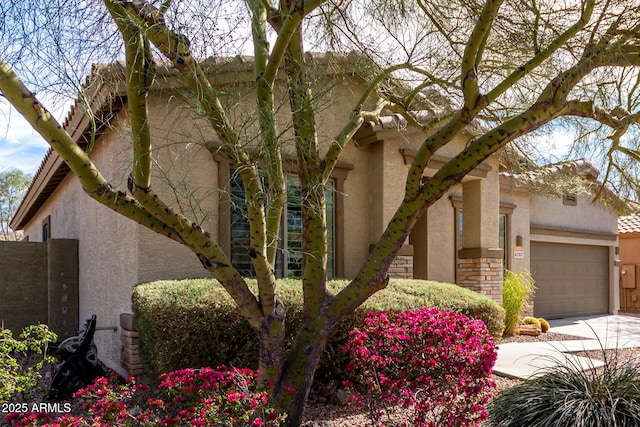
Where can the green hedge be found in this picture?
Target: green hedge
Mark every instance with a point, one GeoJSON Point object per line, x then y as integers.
{"type": "Point", "coordinates": [194, 323]}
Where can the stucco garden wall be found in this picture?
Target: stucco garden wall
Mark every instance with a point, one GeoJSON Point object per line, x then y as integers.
{"type": "Point", "coordinates": [39, 284]}
{"type": "Point", "coordinates": [630, 248]}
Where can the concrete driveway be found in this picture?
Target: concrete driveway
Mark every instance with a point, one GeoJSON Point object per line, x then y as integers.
{"type": "Point", "coordinates": [527, 360]}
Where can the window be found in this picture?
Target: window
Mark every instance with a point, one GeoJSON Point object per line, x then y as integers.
{"type": "Point", "coordinates": [570, 199]}
{"type": "Point", "coordinates": [289, 255]}
{"type": "Point", "coordinates": [502, 238]}
{"type": "Point", "coordinates": [506, 209]}
{"type": "Point", "coordinates": [46, 228]}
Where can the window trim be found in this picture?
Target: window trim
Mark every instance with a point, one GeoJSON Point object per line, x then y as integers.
{"type": "Point", "coordinates": [339, 175]}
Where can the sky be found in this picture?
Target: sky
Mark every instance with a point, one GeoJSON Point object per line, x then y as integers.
{"type": "Point", "coordinates": [20, 146]}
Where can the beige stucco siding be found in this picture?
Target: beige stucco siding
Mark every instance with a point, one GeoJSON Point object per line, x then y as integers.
{"type": "Point", "coordinates": [441, 239]}
{"type": "Point", "coordinates": [551, 211]}
{"type": "Point", "coordinates": [62, 207]}
{"type": "Point", "coordinates": [185, 176]}
{"type": "Point", "coordinates": [517, 204]}
{"type": "Point", "coordinates": [387, 175]}
{"type": "Point", "coordinates": [356, 216]}
{"type": "Point", "coordinates": [107, 248]}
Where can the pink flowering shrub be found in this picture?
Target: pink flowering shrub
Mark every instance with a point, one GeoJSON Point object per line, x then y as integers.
{"type": "Point", "coordinates": [435, 364]}
{"type": "Point", "coordinates": [187, 397]}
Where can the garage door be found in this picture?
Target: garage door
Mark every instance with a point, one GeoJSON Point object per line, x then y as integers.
{"type": "Point", "coordinates": [571, 280]}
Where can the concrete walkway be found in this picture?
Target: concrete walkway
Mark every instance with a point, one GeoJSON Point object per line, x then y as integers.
{"type": "Point", "coordinates": [527, 360]}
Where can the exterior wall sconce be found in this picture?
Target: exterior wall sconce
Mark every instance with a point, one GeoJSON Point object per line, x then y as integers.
{"type": "Point", "coordinates": [518, 243]}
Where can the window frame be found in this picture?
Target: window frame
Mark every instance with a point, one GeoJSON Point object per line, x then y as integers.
{"type": "Point", "coordinates": [338, 176]}
{"type": "Point", "coordinates": [46, 228]}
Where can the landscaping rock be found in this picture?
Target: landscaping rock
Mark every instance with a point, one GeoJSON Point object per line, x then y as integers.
{"type": "Point", "coordinates": [532, 330]}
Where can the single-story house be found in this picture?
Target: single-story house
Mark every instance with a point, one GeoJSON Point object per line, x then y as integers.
{"type": "Point", "coordinates": [487, 222]}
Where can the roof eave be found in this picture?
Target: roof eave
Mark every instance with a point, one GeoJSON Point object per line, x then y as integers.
{"type": "Point", "coordinates": [105, 99]}
{"type": "Point", "coordinates": [105, 90]}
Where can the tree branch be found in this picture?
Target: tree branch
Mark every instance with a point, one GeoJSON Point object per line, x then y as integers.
{"type": "Point", "coordinates": [176, 48]}
{"type": "Point", "coordinates": [264, 264]}
{"type": "Point", "coordinates": [339, 141]}
{"type": "Point", "coordinates": [139, 76]}
{"type": "Point", "coordinates": [473, 52]}
{"type": "Point", "coordinates": [99, 189]}
{"type": "Point", "coordinates": [314, 257]}
{"type": "Point", "coordinates": [543, 55]}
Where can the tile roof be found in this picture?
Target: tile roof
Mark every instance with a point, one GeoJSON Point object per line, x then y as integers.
{"type": "Point", "coordinates": [628, 224]}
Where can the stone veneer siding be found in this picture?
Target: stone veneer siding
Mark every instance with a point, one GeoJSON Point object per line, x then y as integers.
{"type": "Point", "coordinates": [129, 336]}
{"type": "Point", "coordinates": [482, 275]}
{"type": "Point", "coordinates": [402, 267]}
{"type": "Point", "coordinates": [527, 310]}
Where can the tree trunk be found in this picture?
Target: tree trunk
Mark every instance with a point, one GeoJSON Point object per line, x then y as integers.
{"type": "Point", "coordinates": [271, 339]}
{"type": "Point", "coordinates": [299, 369]}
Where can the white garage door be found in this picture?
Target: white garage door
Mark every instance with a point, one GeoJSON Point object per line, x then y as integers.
{"type": "Point", "coordinates": [571, 280]}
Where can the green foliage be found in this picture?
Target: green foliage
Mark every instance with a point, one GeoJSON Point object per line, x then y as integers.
{"type": "Point", "coordinates": [516, 290]}
{"type": "Point", "coordinates": [544, 325]}
{"type": "Point", "coordinates": [13, 185]}
{"type": "Point", "coordinates": [15, 378]}
{"type": "Point", "coordinates": [531, 321]}
{"type": "Point", "coordinates": [194, 323]}
{"type": "Point", "coordinates": [569, 395]}
{"type": "Point", "coordinates": [435, 364]}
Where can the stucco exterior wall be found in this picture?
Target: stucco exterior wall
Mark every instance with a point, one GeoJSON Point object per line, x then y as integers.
{"type": "Point", "coordinates": [184, 176]}
{"type": "Point", "coordinates": [357, 214]}
{"type": "Point", "coordinates": [64, 223]}
{"type": "Point", "coordinates": [517, 205]}
{"type": "Point", "coordinates": [630, 248]}
{"type": "Point", "coordinates": [107, 248]}
{"type": "Point", "coordinates": [551, 211]}
{"type": "Point", "coordinates": [441, 239]}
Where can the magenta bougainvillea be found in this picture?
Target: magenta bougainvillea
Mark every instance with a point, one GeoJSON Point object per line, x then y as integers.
{"type": "Point", "coordinates": [435, 364]}
{"type": "Point", "coordinates": [201, 397]}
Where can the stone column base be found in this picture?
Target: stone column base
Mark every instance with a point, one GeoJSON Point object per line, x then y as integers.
{"type": "Point", "coordinates": [483, 273]}
{"type": "Point", "coordinates": [402, 267]}
{"type": "Point", "coordinates": [129, 357]}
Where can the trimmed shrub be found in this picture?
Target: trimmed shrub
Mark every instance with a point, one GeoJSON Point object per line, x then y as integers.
{"type": "Point", "coordinates": [437, 363]}
{"type": "Point", "coordinates": [194, 323]}
{"type": "Point", "coordinates": [516, 290]}
{"type": "Point", "coordinates": [569, 395]}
